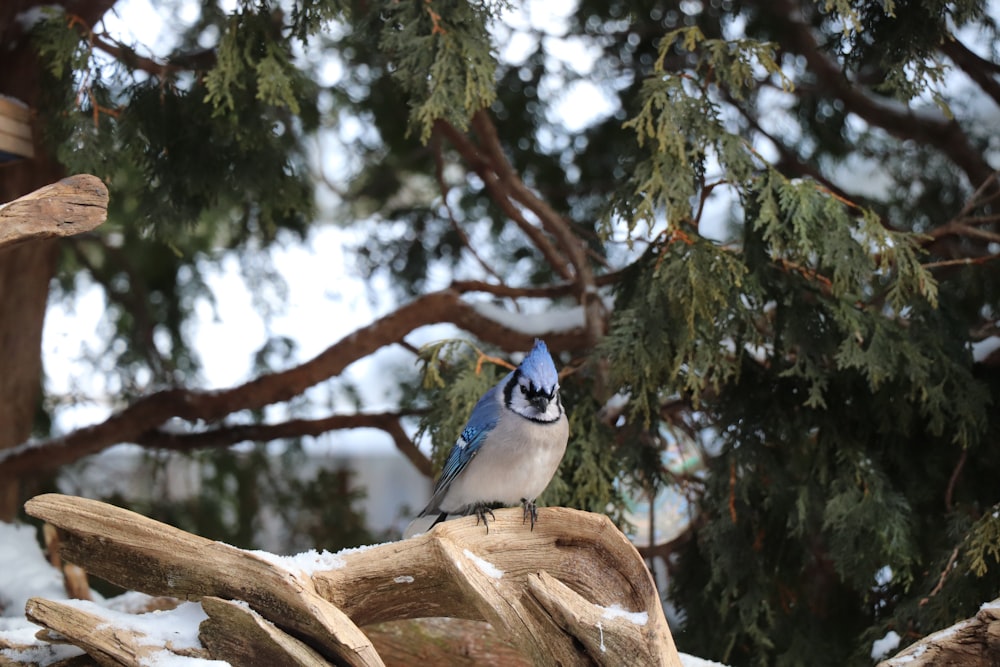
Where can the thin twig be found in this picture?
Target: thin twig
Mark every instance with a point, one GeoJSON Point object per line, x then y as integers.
{"type": "Point", "coordinates": [944, 575]}
{"type": "Point", "coordinates": [443, 185]}
{"type": "Point", "coordinates": [950, 492]}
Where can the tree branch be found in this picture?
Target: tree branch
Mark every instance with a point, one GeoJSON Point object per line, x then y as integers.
{"type": "Point", "coordinates": [946, 135]}
{"type": "Point", "coordinates": [224, 436]}
{"type": "Point", "coordinates": [982, 71]}
{"type": "Point", "coordinates": [471, 154]}
{"type": "Point", "coordinates": [150, 412]}
{"type": "Point", "coordinates": [554, 224]}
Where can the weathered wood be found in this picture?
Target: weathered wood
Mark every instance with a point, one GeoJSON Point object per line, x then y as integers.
{"type": "Point", "coordinates": [240, 636]}
{"type": "Point", "coordinates": [451, 572]}
{"type": "Point", "coordinates": [455, 642]}
{"type": "Point", "coordinates": [572, 591]}
{"type": "Point", "coordinates": [138, 553]}
{"type": "Point", "coordinates": [72, 206]}
{"type": "Point", "coordinates": [974, 642]}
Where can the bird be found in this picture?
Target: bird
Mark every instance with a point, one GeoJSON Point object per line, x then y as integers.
{"type": "Point", "coordinates": [509, 449]}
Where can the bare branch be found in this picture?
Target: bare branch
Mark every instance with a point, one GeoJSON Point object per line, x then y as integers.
{"type": "Point", "coordinates": [224, 436]}
{"type": "Point", "coordinates": [554, 224]}
{"type": "Point", "coordinates": [471, 154]}
{"type": "Point", "coordinates": [443, 186]}
{"type": "Point", "coordinates": [150, 412]}
{"type": "Point", "coordinates": [980, 70]}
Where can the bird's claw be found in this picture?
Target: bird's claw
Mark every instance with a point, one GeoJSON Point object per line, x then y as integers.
{"type": "Point", "coordinates": [481, 511]}
{"type": "Point", "coordinates": [529, 510]}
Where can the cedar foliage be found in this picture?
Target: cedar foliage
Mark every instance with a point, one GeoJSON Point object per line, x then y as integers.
{"type": "Point", "coordinates": [823, 343]}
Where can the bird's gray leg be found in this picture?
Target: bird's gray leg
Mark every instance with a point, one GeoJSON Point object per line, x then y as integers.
{"type": "Point", "coordinates": [529, 510]}
{"type": "Point", "coordinates": [481, 510]}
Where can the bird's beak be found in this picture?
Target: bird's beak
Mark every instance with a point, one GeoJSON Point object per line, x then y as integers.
{"type": "Point", "coordinates": [540, 403]}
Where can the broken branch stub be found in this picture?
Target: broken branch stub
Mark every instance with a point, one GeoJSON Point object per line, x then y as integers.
{"type": "Point", "coordinates": [572, 591]}
{"type": "Point", "coordinates": [72, 206]}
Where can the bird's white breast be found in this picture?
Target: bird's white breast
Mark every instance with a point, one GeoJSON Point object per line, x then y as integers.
{"type": "Point", "coordinates": [517, 460]}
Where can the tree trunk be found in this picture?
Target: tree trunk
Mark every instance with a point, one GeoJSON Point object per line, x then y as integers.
{"type": "Point", "coordinates": [26, 269]}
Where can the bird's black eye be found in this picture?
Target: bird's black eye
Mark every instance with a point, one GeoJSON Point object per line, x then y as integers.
{"type": "Point", "coordinates": [524, 390]}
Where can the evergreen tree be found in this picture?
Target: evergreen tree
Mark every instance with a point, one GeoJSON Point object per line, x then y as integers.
{"type": "Point", "coordinates": [779, 239]}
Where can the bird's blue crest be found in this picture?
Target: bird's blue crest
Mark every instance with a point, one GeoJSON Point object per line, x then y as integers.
{"type": "Point", "coordinates": [539, 367]}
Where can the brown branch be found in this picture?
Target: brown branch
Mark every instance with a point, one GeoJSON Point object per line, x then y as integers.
{"type": "Point", "coordinates": [224, 436]}
{"type": "Point", "coordinates": [575, 249]}
{"type": "Point", "coordinates": [443, 186]}
{"type": "Point", "coordinates": [148, 413]}
{"type": "Point", "coordinates": [543, 292]}
{"type": "Point", "coordinates": [537, 292]}
{"type": "Point", "coordinates": [949, 494]}
{"type": "Point", "coordinates": [472, 155]}
{"type": "Point", "coordinates": [961, 261]}
{"type": "Point", "coordinates": [960, 225]}
{"type": "Point", "coordinates": [72, 206]}
{"type": "Point", "coordinates": [944, 575]}
{"type": "Point", "coordinates": [128, 56]}
{"type": "Point", "coordinates": [982, 71]}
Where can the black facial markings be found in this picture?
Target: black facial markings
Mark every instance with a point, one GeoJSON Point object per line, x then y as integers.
{"type": "Point", "coordinates": [508, 391]}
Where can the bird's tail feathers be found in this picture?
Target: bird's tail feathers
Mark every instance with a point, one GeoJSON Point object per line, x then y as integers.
{"type": "Point", "coordinates": [422, 524]}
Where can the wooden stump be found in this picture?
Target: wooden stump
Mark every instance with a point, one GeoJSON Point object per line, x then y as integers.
{"type": "Point", "coordinates": [573, 591]}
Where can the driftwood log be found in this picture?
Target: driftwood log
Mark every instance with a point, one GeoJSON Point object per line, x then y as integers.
{"type": "Point", "coordinates": [72, 206]}
{"type": "Point", "coordinates": [573, 591]}
{"type": "Point", "coordinates": [974, 642]}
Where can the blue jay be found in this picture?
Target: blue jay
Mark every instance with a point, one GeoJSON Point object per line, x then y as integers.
{"type": "Point", "coordinates": [509, 449]}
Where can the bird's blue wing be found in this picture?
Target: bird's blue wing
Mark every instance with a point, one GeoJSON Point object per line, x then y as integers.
{"type": "Point", "coordinates": [483, 419]}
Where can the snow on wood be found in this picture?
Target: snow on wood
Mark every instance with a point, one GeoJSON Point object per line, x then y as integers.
{"type": "Point", "coordinates": [572, 591]}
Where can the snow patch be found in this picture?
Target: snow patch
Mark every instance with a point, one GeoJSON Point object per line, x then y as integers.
{"type": "Point", "coordinates": [694, 661]}
{"type": "Point", "coordinates": [982, 349]}
{"type": "Point", "coordinates": [24, 571]}
{"type": "Point", "coordinates": [634, 617]}
{"type": "Point", "coordinates": [405, 579]}
{"type": "Point", "coordinates": [532, 324]}
{"type": "Point", "coordinates": [305, 563]}
{"type": "Point", "coordinates": [883, 647]}
{"type": "Point", "coordinates": [487, 568]}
